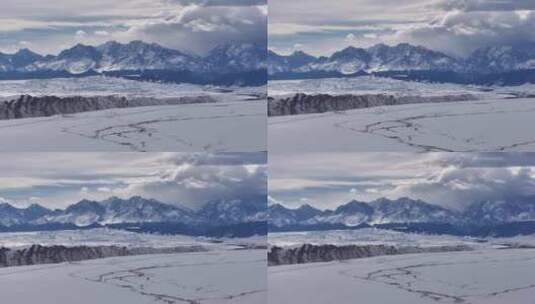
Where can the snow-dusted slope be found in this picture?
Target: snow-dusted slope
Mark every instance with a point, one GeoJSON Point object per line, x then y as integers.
{"type": "Point", "coordinates": [135, 56]}
{"type": "Point", "coordinates": [369, 85]}
{"type": "Point", "coordinates": [138, 210]}
{"type": "Point", "coordinates": [354, 213]}
{"type": "Point", "coordinates": [503, 58]}
{"type": "Point", "coordinates": [235, 211]}
{"type": "Point", "coordinates": [406, 210]}
{"type": "Point", "coordinates": [107, 86]}
{"type": "Point", "coordinates": [10, 215]}
{"type": "Point", "coordinates": [374, 236]}
{"type": "Point", "coordinates": [352, 60]}
{"type": "Point", "coordinates": [236, 57]}
{"type": "Point", "coordinates": [116, 210]}
{"type": "Point", "coordinates": [405, 57]}
{"type": "Point", "coordinates": [111, 237]}
{"type": "Point", "coordinates": [279, 64]}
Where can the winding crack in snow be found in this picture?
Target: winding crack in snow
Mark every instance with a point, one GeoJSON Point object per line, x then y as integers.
{"type": "Point", "coordinates": [407, 277]}
{"type": "Point", "coordinates": [125, 134]}
{"type": "Point", "coordinates": [406, 130]}
{"type": "Point", "coordinates": [139, 281]}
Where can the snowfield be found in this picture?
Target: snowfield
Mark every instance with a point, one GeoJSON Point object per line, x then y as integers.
{"type": "Point", "coordinates": [105, 86]}
{"type": "Point", "coordinates": [113, 237]}
{"type": "Point", "coordinates": [378, 85]}
{"type": "Point", "coordinates": [489, 276]}
{"type": "Point", "coordinates": [367, 236]}
{"type": "Point", "coordinates": [235, 122]}
{"type": "Point", "coordinates": [194, 278]}
{"type": "Point", "coordinates": [493, 272]}
{"type": "Point", "coordinates": [374, 236]}
{"type": "Point", "coordinates": [472, 126]}
{"type": "Point", "coordinates": [188, 277]}
{"type": "Point", "coordinates": [215, 127]}
{"type": "Point", "coordinates": [498, 119]}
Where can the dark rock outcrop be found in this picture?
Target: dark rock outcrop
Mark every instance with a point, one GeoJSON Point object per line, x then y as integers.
{"type": "Point", "coordinates": [326, 253]}
{"type": "Point", "coordinates": [306, 104]}
{"type": "Point", "coordinates": [37, 254]}
{"type": "Point", "coordinates": [30, 106]}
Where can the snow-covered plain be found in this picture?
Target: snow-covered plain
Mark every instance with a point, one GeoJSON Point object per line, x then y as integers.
{"type": "Point", "coordinates": [215, 127]}
{"type": "Point", "coordinates": [235, 122]}
{"type": "Point", "coordinates": [490, 273]}
{"type": "Point", "coordinates": [490, 276]}
{"type": "Point", "coordinates": [472, 126]}
{"type": "Point", "coordinates": [194, 278]}
{"type": "Point", "coordinates": [498, 119]}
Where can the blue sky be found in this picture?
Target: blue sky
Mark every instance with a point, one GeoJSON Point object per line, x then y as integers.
{"type": "Point", "coordinates": [56, 180]}
{"type": "Point", "coordinates": [193, 26]}
{"type": "Point", "coordinates": [456, 27]}
{"type": "Point", "coordinates": [453, 180]}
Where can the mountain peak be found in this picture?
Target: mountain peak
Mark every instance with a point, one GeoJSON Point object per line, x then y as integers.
{"type": "Point", "coordinates": [4, 204]}
{"type": "Point", "coordinates": [350, 51]}
{"type": "Point", "coordinates": [355, 206]}
{"type": "Point", "coordinates": [139, 56]}
{"type": "Point", "coordinates": [300, 53]}
{"type": "Point", "coordinates": [135, 209]}
{"type": "Point", "coordinates": [306, 207]}
{"type": "Point", "coordinates": [81, 46]}
{"type": "Point", "coordinates": [36, 206]}
{"type": "Point", "coordinates": [25, 51]}
{"type": "Point", "coordinates": [380, 57]}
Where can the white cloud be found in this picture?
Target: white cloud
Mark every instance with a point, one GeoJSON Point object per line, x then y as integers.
{"type": "Point", "coordinates": [194, 26]}
{"type": "Point", "coordinates": [102, 33]}
{"type": "Point", "coordinates": [454, 26]}
{"type": "Point", "coordinates": [448, 179]}
{"type": "Point", "coordinates": [189, 179]}
{"type": "Point", "coordinates": [80, 34]}
{"type": "Point", "coordinates": [460, 32]}
{"type": "Point", "coordinates": [350, 38]}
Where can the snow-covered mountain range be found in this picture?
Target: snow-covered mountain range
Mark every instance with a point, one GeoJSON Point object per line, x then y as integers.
{"type": "Point", "coordinates": [404, 210]}
{"type": "Point", "coordinates": [136, 56]}
{"type": "Point", "coordinates": [136, 210]}
{"type": "Point", "coordinates": [404, 57]}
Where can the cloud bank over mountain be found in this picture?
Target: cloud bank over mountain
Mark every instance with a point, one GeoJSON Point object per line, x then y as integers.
{"type": "Point", "coordinates": [59, 179]}
{"type": "Point", "coordinates": [453, 180]}
{"type": "Point", "coordinates": [456, 27]}
{"type": "Point", "coordinates": [190, 26]}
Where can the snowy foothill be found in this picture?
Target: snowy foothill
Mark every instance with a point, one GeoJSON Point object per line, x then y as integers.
{"type": "Point", "coordinates": [113, 237]}
{"type": "Point", "coordinates": [105, 86]}
{"type": "Point", "coordinates": [381, 85]}
{"type": "Point", "coordinates": [374, 236]}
